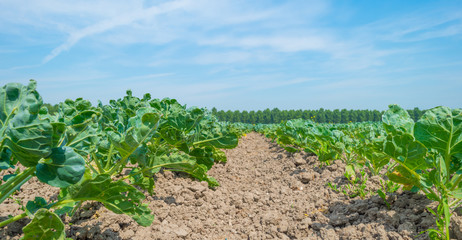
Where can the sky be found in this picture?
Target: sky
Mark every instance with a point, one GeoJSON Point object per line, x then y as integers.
{"type": "Point", "coordinates": [236, 54]}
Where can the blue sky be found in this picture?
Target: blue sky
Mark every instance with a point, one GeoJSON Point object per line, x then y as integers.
{"type": "Point", "coordinates": [235, 54]}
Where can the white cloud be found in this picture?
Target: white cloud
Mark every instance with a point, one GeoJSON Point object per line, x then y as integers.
{"type": "Point", "coordinates": [111, 23]}
{"type": "Point", "coordinates": [233, 57]}
{"type": "Point", "coordinates": [282, 42]}
{"type": "Point", "coordinates": [419, 25]}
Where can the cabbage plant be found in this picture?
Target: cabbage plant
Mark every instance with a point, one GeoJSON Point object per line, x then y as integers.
{"type": "Point", "coordinates": [427, 156]}
{"type": "Point", "coordinates": [39, 145]}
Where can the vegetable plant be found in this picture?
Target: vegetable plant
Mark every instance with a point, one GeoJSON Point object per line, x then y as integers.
{"type": "Point", "coordinates": [81, 149]}
{"type": "Point", "coordinates": [427, 156]}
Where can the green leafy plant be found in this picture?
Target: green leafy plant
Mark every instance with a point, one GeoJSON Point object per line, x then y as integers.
{"type": "Point", "coordinates": [387, 186]}
{"type": "Point", "coordinates": [355, 186]}
{"type": "Point", "coordinates": [334, 187]}
{"type": "Point", "coordinates": [427, 157]}
{"type": "Point", "coordinates": [81, 149]}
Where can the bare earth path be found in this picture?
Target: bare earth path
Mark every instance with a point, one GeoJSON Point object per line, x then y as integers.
{"type": "Point", "coordinates": [265, 193]}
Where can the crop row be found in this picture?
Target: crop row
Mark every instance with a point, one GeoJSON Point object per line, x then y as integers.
{"type": "Point", "coordinates": [423, 156]}
{"type": "Point", "coordinates": [83, 149]}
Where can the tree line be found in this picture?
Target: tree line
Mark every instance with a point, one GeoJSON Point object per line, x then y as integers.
{"type": "Point", "coordinates": [321, 115]}
{"type": "Point", "coordinates": [276, 116]}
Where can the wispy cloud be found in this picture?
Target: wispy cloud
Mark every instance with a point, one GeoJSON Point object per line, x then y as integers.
{"type": "Point", "coordinates": [279, 42]}
{"type": "Point", "coordinates": [415, 26]}
{"type": "Point", "coordinates": [111, 23]}
{"type": "Point", "coordinates": [233, 57]}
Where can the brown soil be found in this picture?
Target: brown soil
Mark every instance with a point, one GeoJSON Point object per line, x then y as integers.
{"type": "Point", "coordinates": [265, 193]}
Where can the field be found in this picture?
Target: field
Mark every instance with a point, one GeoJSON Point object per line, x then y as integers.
{"type": "Point", "coordinates": [142, 168]}
{"type": "Point", "coordinates": [265, 193]}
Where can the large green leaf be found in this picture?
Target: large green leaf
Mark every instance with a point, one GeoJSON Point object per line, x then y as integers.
{"type": "Point", "coordinates": [185, 163]}
{"type": "Point", "coordinates": [80, 125]}
{"type": "Point", "coordinates": [216, 135]}
{"type": "Point", "coordinates": [25, 134]}
{"type": "Point", "coordinates": [144, 180]}
{"type": "Point", "coordinates": [208, 156]}
{"type": "Point", "coordinates": [139, 156]}
{"type": "Point", "coordinates": [397, 119]}
{"type": "Point", "coordinates": [63, 168]}
{"type": "Point", "coordinates": [29, 138]}
{"type": "Point", "coordinates": [15, 97]}
{"type": "Point", "coordinates": [185, 120]}
{"type": "Point", "coordinates": [44, 226]}
{"type": "Point", "coordinates": [203, 156]}
{"type": "Point", "coordinates": [140, 129]}
{"type": "Point", "coordinates": [33, 206]}
{"type": "Point", "coordinates": [440, 128]}
{"type": "Point", "coordinates": [402, 176]}
{"type": "Point", "coordinates": [378, 158]}
{"type": "Point", "coordinates": [222, 140]}
{"type": "Point", "coordinates": [178, 125]}
{"type": "Point", "coordinates": [5, 157]}
{"type": "Point", "coordinates": [117, 196]}
{"type": "Point", "coordinates": [404, 149]}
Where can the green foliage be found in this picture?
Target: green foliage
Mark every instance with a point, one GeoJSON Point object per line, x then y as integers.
{"type": "Point", "coordinates": [33, 206]}
{"type": "Point", "coordinates": [426, 155]}
{"type": "Point", "coordinates": [80, 148]}
{"type": "Point", "coordinates": [22, 131]}
{"type": "Point", "coordinates": [117, 196]}
{"type": "Point", "coordinates": [275, 116]}
{"type": "Point", "coordinates": [45, 225]}
{"type": "Point", "coordinates": [62, 168]}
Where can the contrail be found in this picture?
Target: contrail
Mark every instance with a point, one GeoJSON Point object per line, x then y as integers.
{"type": "Point", "coordinates": [111, 23]}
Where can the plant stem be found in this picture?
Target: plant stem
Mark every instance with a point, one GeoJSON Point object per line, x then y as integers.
{"type": "Point", "coordinates": [109, 157]}
{"type": "Point", "coordinates": [10, 186]}
{"type": "Point", "coordinates": [75, 208]}
{"type": "Point", "coordinates": [207, 140]}
{"type": "Point", "coordinates": [458, 179]}
{"type": "Point", "coordinates": [98, 164]}
{"type": "Point", "coordinates": [13, 219]}
{"type": "Point", "coordinates": [455, 203]}
{"type": "Point", "coordinates": [447, 216]}
{"type": "Point", "coordinates": [92, 168]}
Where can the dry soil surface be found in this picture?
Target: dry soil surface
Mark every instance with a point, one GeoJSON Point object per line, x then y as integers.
{"type": "Point", "coordinates": [265, 193]}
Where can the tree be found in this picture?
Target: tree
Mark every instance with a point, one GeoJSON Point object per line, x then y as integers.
{"type": "Point", "coordinates": [417, 113]}
{"type": "Point", "coordinates": [344, 116]}
{"type": "Point", "coordinates": [275, 115]}
{"type": "Point", "coordinates": [252, 118]}
{"type": "Point", "coordinates": [329, 117]}
{"type": "Point", "coordinates": [298, 114]}
{"type": "Point", "coordinates": [377, 116]}
{"type": "Point", "coordinates": [237, 116]}
{"type": "Point", "coordinates": [321, 116]}
{"type": "Point", "coordinates": [229, 116]}
{"type": "Point", "coordinates": [245, 117]}
{"type": "Point", "coordinates": [267, 116]}
{"type": "Point", "coordinates": [221, 115]}
{"type": "Point", "coordinates": [259, 116]}
{"type": "Point", "coordinates": [361, 117]}
{"type": "Point", "coordinates": [336, 116]}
